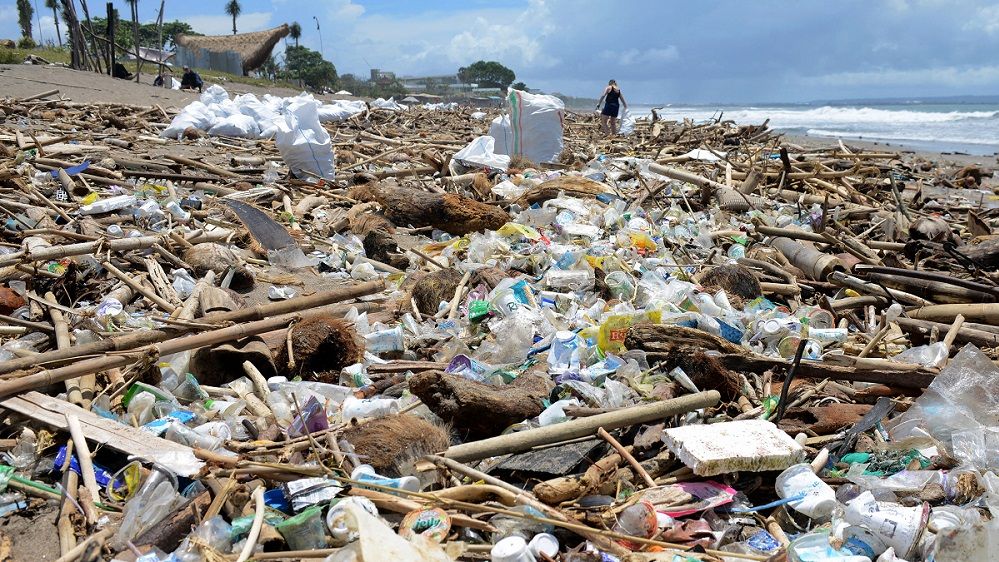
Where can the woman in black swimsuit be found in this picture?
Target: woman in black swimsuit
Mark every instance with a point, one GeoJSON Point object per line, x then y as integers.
{"type": "Point", "coordinates": [613, 100]}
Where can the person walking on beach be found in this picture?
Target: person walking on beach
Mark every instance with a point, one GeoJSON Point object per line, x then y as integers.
{"type": "Point", "coordinates": [612, 100]}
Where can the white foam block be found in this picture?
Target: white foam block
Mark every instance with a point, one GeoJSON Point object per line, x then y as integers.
{"type": "Point", "coordinates": [720, 448]}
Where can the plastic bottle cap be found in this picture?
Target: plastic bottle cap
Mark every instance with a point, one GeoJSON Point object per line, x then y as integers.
{"type": "Point", "coordinates": [543, 543]}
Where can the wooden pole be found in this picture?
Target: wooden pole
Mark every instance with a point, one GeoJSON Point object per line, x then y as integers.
{"type": "Point", "coordinates": [582, 427]}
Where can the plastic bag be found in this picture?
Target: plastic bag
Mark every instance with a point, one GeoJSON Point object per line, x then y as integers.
{"type": "Point", "coordinates": [340, 110]}
{"type": "Point", "coordinates": [481, 153]}
{"type": "Point", "coordinates": [627, 122]}
{"type": "Point", "coordinates": [533, 128]}
{"type": "Point", "coordinates": [240, 125]}
{"type": "Point", "coordinates": [214, 94]}
{"type": "Point", "coordinates": [196, 115]}
{"type": "Point", "coordinates": [303, 142]}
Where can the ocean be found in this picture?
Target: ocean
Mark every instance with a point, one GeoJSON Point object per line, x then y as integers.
{"type": "Point", "coordinates": [970, 128]}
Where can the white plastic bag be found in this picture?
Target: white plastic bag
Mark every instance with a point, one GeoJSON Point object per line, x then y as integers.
{"type": "Point", "coordinates": [239, 125]}
{"type": "Point", "coordinates": [532, 129]}
{"type": "Point", "coordinates": [196, 115]}
{"type": "Point", "coordinates": [481, 153]}
{"type": "Point", "coordinates": [214, 94]}
{"type": "Point", "coordinates": [303, 142]}
{"type": "Point", "coordinates": [340, 110]}
{"type": "Point", "coordinates": [627, 126]}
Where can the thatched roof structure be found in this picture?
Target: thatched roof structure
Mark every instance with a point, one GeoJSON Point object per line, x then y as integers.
{"type": "Point", "coordinates": [253, 48]}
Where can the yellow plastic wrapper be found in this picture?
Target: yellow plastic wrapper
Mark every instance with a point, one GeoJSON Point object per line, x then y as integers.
{"type": "Point", "coordinates": [514, 229]}
{"type": "Point", "coordinates": [614, 329]}
{"type": "Point", "coordinates": [90, 198]}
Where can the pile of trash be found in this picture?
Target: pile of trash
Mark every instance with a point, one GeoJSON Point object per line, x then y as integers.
{"type": "Point", "coordinates": [482, 334]}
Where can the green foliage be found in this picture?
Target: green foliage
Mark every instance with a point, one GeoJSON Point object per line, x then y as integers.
{"type": "Point", "coordinates": [520, 86]}
{"type": "Point", "coordinates": [148, 34]}
{"type": "Point", "coordinates": [304, 64]}
{"type": "Point", "coordinates": [295, 31]}
{"type": "Point", "coordinates": [24, 14]}
{"type": "Point", "coordinates": [364, 88]}
{"type": "Point", "coordinates": [26, 43]}
{"type": "Point", "coordinates": [54, 5]}
{"type": "Point", "coordinates": [487, 74]}
{"type": "Point", "coordinates": [233, 9]}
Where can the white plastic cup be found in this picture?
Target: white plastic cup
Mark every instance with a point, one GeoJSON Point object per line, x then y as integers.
{"type": "Point", "coordinates": [511, 549]}
{"type": "Point", "coordinates": [819, 500]}
{"type": "Point", "coordinates": [385, 340]}
{"type": "Point", "coordinates": [368, 407]}
{"type": "Point", "coordinates": [543, 543]}
{"type": "Point", "coordinates": [898, 526]}
{"type": "Point", "coordinates": [336, 518]}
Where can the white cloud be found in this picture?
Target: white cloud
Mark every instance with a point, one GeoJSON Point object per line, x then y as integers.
{"type": "Point", "coordinates": [945, 76]}
{"type": "Point", "coordinates": [630, 57]}
{"type": "Point", "coordinates": [988, 19]}
{"type": "Point", "coordinates": [222, 24]}
{"type": "Point", "coordinates": [345, 9]}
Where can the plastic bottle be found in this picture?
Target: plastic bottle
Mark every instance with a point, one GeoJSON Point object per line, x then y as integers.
{"type": "Point", "coordinates": [368, 407]}
{"type": "Point", "coordinates": [23, 454]}
{"type": "Point", "coordinates": [155, 499]}
{"type": "Point", "coordinates": [108, 205]}
{"type": "Point", "coordinates": [366, 473]}
{"type": "Point", "coordinates": [819, 500]}
{"type": "Point", "coordinates": [620, 285]}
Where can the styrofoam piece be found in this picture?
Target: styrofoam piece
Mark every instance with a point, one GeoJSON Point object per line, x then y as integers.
{"type": "Point", "coordinates": [720, 448]}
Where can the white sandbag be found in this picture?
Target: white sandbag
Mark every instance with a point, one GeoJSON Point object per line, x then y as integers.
{"type": "Point", "coordinates": [304, 144]}
{"type": "Point", "coordinates": [214, 94]}
{"type": "Point", "coordinates": [481, 153]}
{"type": "Point", "coordinates": [174, 83]}
{"type": "Point", "coordinates": [390, 104]}
{"type": "Point", "coordinates": [196, 115]}
{"type": "Point", "coordinates": [478, 115]}
{"type": "Point", "coordinates": [341, 110]}
{"type": "Point", "coordinates": [627, 125]}
{"type": "Point", "coordinates": [239, 125]}
{"type": "Point", "coordinates": [535, 123]}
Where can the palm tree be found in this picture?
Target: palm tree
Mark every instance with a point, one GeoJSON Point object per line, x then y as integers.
{"type": "Point", "coordinates": [52, 5]}
{"type": "Point", "coordinates": [233, 8]}
{"type": "Point", "coordinates": [134, 5]}
{"type": "Point", "coordinates": [295, 32]}
{"type": "Point", "coordinates": [24, 13]}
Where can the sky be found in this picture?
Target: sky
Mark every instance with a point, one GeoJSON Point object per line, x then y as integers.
{"type": "Point", "coordinates": [659, 51]}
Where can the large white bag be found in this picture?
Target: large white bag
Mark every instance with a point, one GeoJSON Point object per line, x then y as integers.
{"type": "Point", "coordinates": [303, 142]}
{"type": "Point", "coordinates": [196, 115]}
{"type": "Point", "coordinates": [532, 128]}
{"type": "Point", "coordinates": [627, 125]}
{"type": "Point", "coordinates": [243, 126]}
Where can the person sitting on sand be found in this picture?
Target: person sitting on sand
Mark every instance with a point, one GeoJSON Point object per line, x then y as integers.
{"type": "Point", "coordinates": [612, 100]}
{"type": "Point", "coordinates": [191, 80]}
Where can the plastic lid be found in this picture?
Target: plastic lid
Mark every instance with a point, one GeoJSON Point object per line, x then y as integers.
{"type": "Point", "coordinates": [510, 549]}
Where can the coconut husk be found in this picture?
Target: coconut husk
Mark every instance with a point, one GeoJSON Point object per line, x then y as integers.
{"type": "Point", "coordinates": [322, 347]}
{"type": "Point", "coordinates": [221, 364]}
{"type": "Point", "coordinates": [390, 443]}
{"type": "Point", "coordinates": [210, 256]}
{"type": "Point", "coordinates": [433, 288]}
{"type": "Point", "coordinates": [449, 212]}
{"type": "Point", "coordinates": [735, 279]}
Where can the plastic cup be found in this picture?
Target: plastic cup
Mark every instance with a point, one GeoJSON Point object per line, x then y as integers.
{"type": "Point", "coordinates": [898, 526]}
{"type": "Point", "coordinates": [511, 549]}
{"type": "Point", "coordinates": [819, 500]}
{"type": "Point", "coordinates": [385, 340]}
{"type": "Point", "coordinates": [543, 543]}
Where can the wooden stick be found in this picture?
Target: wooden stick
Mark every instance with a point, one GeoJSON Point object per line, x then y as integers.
{"type": "Point", "coordinates": [83, 456]}
{"type": "Point", "coordinates": [98, 537]}
{"type": "Point", "coordinates": [625, 417]}
{"type": "Point", "coordinates": [258, 522]}
{"type": "Point", "coordinates": [627, 456]}
{"type": "Point", "coordinates": [138, 287]}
